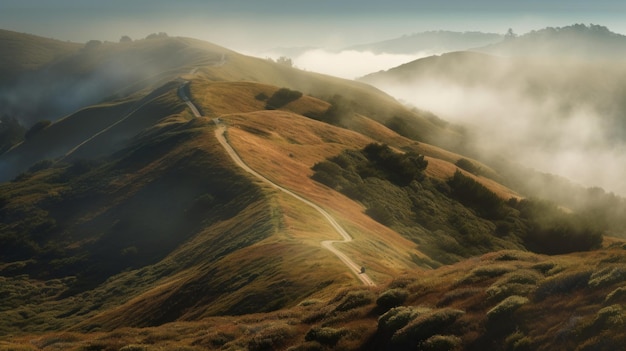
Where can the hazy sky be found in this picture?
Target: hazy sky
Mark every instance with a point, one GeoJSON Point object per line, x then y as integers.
{"type": "Point", "coordinates": [253, 25]}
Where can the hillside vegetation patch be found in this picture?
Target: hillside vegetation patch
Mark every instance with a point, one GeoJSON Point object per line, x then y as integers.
{"type": "Point", "coordinates": [453, 219]}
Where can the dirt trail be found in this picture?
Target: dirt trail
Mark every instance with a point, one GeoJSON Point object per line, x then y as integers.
{"type": "Point", "coordinates": [327, 244]}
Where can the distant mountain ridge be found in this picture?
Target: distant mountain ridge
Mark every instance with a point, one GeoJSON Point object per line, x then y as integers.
{"type": "Point", "coordinates": [578, 41]}
{"type": "Point", "coordinates": [432, 41]}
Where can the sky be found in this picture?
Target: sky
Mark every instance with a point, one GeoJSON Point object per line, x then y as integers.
{"type": "Point", "coordinates": [254, 26]}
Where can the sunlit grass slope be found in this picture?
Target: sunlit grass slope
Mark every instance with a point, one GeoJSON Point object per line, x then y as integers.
{"type": "Point", "coordinates": [506, 300]}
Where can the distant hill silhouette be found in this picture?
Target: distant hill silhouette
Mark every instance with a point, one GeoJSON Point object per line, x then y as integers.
{"type": "Point", "coordinates": [432, 41]}
{"type": "Point", "coordinates": [578, 41]}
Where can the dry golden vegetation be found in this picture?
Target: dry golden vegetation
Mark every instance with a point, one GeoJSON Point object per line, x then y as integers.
{"type": "Point", "coordinates": [507, 300]}
{"type": "Point", "coordinates": [149, 237]}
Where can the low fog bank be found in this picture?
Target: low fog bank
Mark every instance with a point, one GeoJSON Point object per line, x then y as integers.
{"type": "Point", "coordinates": [348, 64]}
{"type": "Point", "coordinates": [571, 127]}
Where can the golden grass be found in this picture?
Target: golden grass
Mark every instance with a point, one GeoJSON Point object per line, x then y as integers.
{"type": "Point", "coordinates": [285, 151]}
{"type": "Point", "coordinates": [568, 314]}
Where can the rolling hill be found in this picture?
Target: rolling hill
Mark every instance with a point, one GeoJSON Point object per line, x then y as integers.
{"type": "Point", "coordinates": [127, 225]}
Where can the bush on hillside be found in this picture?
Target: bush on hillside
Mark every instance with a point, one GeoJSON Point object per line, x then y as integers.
{"type": "Point", "coordinates": [563, 283]}
{"type": "Point", "coordinates": [552, 231]}
{"type": "Point", "coordinates": [398, 317]}
{"type": "Point", "coordinates": [400, 169]}
{"type": "Point", "coordinates": [282, 97]}
{"type": "Point", "coordinates": [475, 195]}
{"type": "Point", "coordinates": [424, 327]}
{"type": "Point", "coordinates": [506, 308]}
{"type": "Point", "coordinates": [467, 165]}
{"type": "Point", "coordinates": [441, 343]}
{"type": "Point", "coordinates": [392, 298]}
{"type": "Point", "coordinates": [354, 299]}
{"type": "Point", "coordinates": [325, 335]}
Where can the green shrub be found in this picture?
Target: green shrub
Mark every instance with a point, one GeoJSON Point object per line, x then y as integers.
{"type": "Point", "coordinates": [610, 317]}
{"type": "Point", "coordinates": [354, 299]}
{"type": "Point", "coordinates": [392, 298]}
{"type": "Point", "coordinates": [607, 276]}
{"type": "Point", "coordinates": [271, 338]}
{"type": "Point", "coordinates": [467, 165]}
{"type": "Point", "coordinates": [282, 97]}
{"type": "Point", "coordinates": [325, 335]}
{"type": "Point", "coordinates": [425, 326]}
{"type": "Point", "coordinates": [486, 272]}
{"type": "Point", "coordinates": [398, 317]}
{"type": "Point", "coordinates": [400, 169]}
{"type": "Point", "coordinates": [562, 283]}
{"type": "Point", "coordinates": [506, 308]}
{"type": "Point", "coordinates": [552, 231]}
{"type": "Point", "coordinates": [615, 295]}
{"type": "Point", "coordinates": [475, 195]}
{"type": "Point", "coordinates": [261, 96]}
{"type": "Point", "coordinates": [517, 342]}
{"type": "Point", "coordinates": [441, 343]}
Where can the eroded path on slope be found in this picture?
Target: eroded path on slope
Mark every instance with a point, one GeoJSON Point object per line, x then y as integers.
{"type": "Point", "coordinates": [327, 244]}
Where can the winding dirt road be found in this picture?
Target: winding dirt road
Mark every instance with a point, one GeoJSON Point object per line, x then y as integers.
{"type": "Point", "coordinates": [327, 244]}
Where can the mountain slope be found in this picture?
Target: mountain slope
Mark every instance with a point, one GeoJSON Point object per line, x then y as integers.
{"type": "Point", "coordinates": [141, 217]}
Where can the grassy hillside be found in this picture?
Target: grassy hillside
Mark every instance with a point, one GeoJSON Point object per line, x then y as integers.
{"type": "Point", "coordinates": [133, 229]}
{"type": "Point", "coordinates": [506, 300]}
{"type": "Point", "coordinates": [165, 207]}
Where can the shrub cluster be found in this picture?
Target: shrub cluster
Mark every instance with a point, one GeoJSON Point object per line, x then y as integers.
{"type": "Point", "coordinates": [374, 161]}
{"type": "Point", "coordinates": [392, 298]}
{"type": "Point", "coordinates": [475, 195]}
{"type": "Point", "coordinates": [425, 326]}
{"type": "Point", "coordinates": [325, 335]}
{"type": "Point", "coordinates": [282, 97]}
{"type": "Point", "coordinates": [562, 283]}
{"type": "Point", "coordinates": [505, 309]}
{"type": "Point", "coordinates": [553, 231]}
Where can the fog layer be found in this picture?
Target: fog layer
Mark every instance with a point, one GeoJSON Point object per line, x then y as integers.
{"type": "Point", "coordinates": [557, 117]}
{"type": "Point", "coordinates": [348, 64]}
